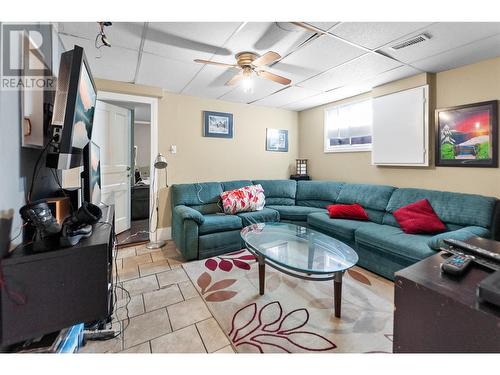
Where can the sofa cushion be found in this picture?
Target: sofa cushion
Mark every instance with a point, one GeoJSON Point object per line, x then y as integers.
{"type": "Point", "coordinates": [298, 213]}
{"type": "Point", "coordinates": [389, 239]}
{"type": "Point", "coordinates": [419, 217]}
{"type": "Point", "coordinates": [280, 192]}
{"type": "Point", "coordinates": [461, 234]}
{"type": "Point", "coordinates": [347, 211]}
{"type": "Point", "coordinates": [317, 193]}
{"type": "Point", "coordinates": [219, 223]}
{"type": "Point", "coordinates": [455, 208]}
{"type": "Point", "coordinates": [262, 216]}
{"type": "Point", "coordinates": [237, 184]}
{"type": "Point", "coordinates": [340, 228]}
{"type": "Point", "coordinates": [373, 198]}
{"type": "Point", "coordinates": [203, 197]}
{"type": "Point", "coordinates": [247, 198]}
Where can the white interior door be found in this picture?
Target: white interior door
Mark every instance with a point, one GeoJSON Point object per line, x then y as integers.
{"type": "Point", "coordinates": [112, 133]}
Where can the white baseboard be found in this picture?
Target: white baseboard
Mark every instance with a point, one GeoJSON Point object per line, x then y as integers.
{"type": "Point", "coordinates": [165, 233]}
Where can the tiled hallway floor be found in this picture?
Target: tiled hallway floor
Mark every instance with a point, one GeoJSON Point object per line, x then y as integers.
{"type": "Point", "coordinates": [166, 313]}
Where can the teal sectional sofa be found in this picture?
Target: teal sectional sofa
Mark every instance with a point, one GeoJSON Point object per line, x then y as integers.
{"type": "Point", "coordinates": [200, 229]}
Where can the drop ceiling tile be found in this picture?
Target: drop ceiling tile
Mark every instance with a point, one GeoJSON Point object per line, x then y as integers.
{"type": "Point", "coordinates": [210, 82]}
{"type": "Point", "coordinates": [375, 34]}
{"type": "Point", "coordinates": [361, 69]}
{"type": "Point", "coordinates": [172, 75]}
{"type": "Point", "coordinates": [473, 52]}
{"type": "Point", "coordinates": [317, 56]}
{"type": "Point", "coordinates": [392, 75]}
{"type": "Point", "coordinates": [325, 26]}
{"type": "Point", "coordinates": [120, 34]}
{"type": "Point", "coordinates": [186, 41]}
{"type": "Point", "coordinates": [288, 95]}
{"type": "Point", "coordinates": [114, 63]}
{"type": "Point", "coordinates": [262, 88]}
{"type": "Point", "coordinates": [352, 90]}
{"type": "Point", "coordinates": [329, 97]}
{"type": "Point", "coordinates": [444, 36]}
{"type": "Point", "coordinates": [261, 37]}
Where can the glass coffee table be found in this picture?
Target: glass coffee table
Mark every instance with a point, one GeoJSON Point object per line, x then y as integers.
{"type": "Point", "coordinates": [299, 252]}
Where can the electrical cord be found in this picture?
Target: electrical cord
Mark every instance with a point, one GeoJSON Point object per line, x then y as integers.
{"type": "Point", "coordinates": [36, 169]}
{"type": "Point", "coordinates": [199, 191]}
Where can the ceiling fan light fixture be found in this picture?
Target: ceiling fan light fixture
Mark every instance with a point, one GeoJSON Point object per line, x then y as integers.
{"type": "Point", "coordinates": [247, 80]}
{"type": "Point", "coordinates": [247, 84]}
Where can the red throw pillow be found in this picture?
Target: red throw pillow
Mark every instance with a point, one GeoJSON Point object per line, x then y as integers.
{"type": "Point", "coordinates": [347, 211]}
{"type": "Point", "coordinates": [419, 217]}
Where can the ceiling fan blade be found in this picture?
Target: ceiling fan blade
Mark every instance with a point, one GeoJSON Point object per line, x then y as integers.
{"type": "Point", "coordinates": [266, 59]}
{"type": "Point", "coordinates": [274, 77]}
{"type": "Point", "coordinates": [234, 80]}
{"type": "Point", "coordinates": [308, 27]}
{"type": "Point", "coordinates": [214, 63]}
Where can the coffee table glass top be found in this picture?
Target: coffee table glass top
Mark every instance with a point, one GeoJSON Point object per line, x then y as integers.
{"type": "Point", "coordinates": [299, 248]}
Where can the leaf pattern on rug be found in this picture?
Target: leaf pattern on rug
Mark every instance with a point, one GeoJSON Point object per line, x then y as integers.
{"type": "Point", "coordinates": [222, 295]}
{"type": "Point", "coordinates": [271, 330]}
{"type": "Point", "coordinates": [358, 276]}
{"type": "Point", "coordinates": [215, 293]}
{"type": "Point", "coordinates": [225, 263]}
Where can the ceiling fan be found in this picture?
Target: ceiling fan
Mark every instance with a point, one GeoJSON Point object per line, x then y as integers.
{"type": "Point", "coordinates": [249, 63]}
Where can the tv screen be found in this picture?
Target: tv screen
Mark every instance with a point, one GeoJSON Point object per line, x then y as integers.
{"type": "Point", "coordinates": [92, 174]}
{"type": "Point", "coordinates": [84, 110]}
{"type": "Point", "coordinates": [73, 114]}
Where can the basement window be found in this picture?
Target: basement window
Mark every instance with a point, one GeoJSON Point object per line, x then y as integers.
{"type": "Point", "coordinates": [348, 127]}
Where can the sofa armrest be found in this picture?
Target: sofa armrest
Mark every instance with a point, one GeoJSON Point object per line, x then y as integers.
{"type": "Point", "coordinates": [188, 213]}
{"type": "Point", "coordinates": [461, 234]}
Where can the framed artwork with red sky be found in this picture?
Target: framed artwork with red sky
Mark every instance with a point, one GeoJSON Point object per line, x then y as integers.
{"type": "Point", "coordinates": [467, 135]}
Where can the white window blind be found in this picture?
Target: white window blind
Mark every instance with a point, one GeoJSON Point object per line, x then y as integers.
{"type": "Point", "coordinates": [348, 127]}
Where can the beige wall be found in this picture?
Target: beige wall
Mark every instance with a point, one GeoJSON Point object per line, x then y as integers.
{"type": "Point", "coordinates": [472, 83]}
{"type": "Point", "coordinates": [201, 159]}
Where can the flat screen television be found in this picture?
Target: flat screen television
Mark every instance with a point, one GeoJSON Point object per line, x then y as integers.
{"type": "Point", "coordinates": [74, 107]}
{"type": "Point", "coordinates": [91, 174]}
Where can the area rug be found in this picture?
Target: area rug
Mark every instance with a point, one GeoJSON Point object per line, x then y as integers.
{"type": "Point", "coordinates": [294, 315]}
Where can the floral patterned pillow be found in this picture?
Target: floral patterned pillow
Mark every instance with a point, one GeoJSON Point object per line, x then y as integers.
{"type": "Point", "coordinates": [247, 198]}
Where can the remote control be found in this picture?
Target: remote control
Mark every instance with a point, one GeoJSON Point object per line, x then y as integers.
{"type": "Point", "coordinates": [472, 249]}
{"type": "Point", "coordinates": [455, 265]}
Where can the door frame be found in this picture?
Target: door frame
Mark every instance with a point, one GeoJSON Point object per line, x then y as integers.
{"type": "Point", "coordinates": [153, 103]}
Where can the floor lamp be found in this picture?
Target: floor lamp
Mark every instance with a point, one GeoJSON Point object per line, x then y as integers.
{"type": "Point", "coordinates": [160, 163]}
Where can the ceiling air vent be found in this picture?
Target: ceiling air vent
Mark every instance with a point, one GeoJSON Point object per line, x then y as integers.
{"type": "Point", "coordinates": [411, 42]}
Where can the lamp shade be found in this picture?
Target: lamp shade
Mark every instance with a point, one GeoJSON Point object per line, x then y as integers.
{"type": "Point", "coordinates": [160, 162]}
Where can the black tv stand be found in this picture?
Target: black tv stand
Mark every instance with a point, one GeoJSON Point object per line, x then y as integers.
{"type": "Point", "coordinates": [48, 291]}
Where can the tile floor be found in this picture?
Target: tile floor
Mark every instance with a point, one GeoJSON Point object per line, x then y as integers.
{"type": "Point", "coordinates": [165, 312]}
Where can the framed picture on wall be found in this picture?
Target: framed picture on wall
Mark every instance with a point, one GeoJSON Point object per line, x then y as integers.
{"type": "Point", "coordinates": [217, 124]}
{"type": "Point", "coordinates": [276, 140]}
{"type": "Point", "coordinates": [467, 135]}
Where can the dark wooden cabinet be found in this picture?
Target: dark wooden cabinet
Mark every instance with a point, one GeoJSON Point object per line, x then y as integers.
{"type": "Point", "coordinates": [45, 292]}
{"type": "Point", "coordinates": [437, 313]}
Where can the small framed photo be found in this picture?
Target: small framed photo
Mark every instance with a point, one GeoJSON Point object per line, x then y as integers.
{"type": "Point", "coordinates": [276, 140]}
{"type": "Point", "coordinates": [217, 124]}
{"type": "Point", "coordinates": [467, 135]}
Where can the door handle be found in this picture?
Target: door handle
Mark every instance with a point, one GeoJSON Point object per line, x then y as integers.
{"type": "Point", "coordinates": [128, 168]}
